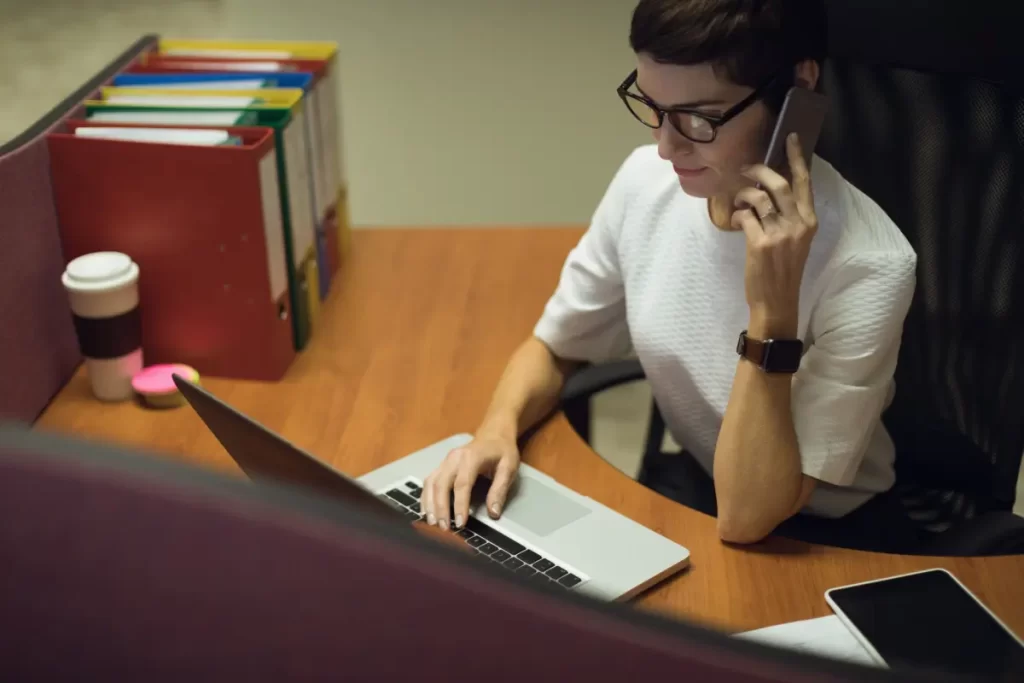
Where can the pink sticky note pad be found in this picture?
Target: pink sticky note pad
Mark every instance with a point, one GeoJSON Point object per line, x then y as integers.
{"type": "Point", "coordinates": [157, 380]}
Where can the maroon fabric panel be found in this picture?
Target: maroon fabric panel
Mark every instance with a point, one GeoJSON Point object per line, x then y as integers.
{"type": "Point", "coordinates": [38, 349]}
{"type": "Point", "coordinates": [109, 576]}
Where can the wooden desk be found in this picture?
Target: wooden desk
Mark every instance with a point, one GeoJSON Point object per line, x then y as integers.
{"type": "Point", "coordinates": [413, 338]}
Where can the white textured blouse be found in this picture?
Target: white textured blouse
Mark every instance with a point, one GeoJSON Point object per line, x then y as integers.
{"type": "Point", "coordinates": [653, 275]}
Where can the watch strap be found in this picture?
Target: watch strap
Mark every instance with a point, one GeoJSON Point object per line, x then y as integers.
{"type": "Point", "coordinates": [752, 349]}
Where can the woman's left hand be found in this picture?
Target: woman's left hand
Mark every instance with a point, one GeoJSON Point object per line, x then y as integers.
{"type": "Point", "coordinates": [779, 222]}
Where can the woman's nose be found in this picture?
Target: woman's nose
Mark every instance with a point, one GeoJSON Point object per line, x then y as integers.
{"type": "Point", "coordinates": [670, 143]}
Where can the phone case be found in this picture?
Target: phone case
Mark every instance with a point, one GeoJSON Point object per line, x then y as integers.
{"type": "Point", "coordinates": [803, 113]}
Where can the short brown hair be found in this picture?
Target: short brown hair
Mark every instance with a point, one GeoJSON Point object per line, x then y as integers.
{"type": "Point", "coordinates": [746, 41]}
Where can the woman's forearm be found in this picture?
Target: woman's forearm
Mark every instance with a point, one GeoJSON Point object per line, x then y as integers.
{"type": "Point", "coordinates": [758, 474]}
{"type": "Point", "coordinates": [527, 392]}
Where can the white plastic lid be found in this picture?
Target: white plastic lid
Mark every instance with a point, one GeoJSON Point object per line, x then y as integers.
{"type": "Point", "coordinates": [100, 270]}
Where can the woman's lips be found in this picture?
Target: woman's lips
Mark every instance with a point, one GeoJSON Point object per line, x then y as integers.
{"type": "Point", "coordinates": [688, 172]}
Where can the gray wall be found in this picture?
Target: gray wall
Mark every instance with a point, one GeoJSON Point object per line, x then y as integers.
{"type": "Point", "coordinates": [465, 112]}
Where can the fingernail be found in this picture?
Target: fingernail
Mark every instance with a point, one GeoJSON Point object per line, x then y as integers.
{"type": "Point", "coordinates": [496, 509]}
{"type": "Point", "coordinates": [458, 521]}
{"type": "Point", "coordinates": [443, 524]}
{"type": "Point", "coordinates": [744, 168]}
{"type": "Point", "coordinates": [431, 519]}
{"type": "Point", "coordinates": [792, 137]}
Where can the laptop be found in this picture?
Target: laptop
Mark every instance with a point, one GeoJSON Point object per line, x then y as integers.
{"type": "Point", "coordinates": [546, 532]}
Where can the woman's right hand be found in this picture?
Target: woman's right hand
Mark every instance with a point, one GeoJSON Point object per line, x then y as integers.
{"type": "Point", "coordinates": [494, 457]}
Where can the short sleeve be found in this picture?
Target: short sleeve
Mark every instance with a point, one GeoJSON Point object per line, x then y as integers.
{"type": "Point", "coordinates": [845, 376]}
{"type": "Point", "coordinates": [585, 319]}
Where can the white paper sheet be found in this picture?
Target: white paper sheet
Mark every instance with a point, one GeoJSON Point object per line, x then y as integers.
{"type": "Point", "coordinates": [168, 136]}
{"type": "Point", "coordinates": [193, 101]}
{"type": "Point", "coordinates": [248, 84]}
{"type": "Point", "coordinates": [825, 637]}
{"type": "Point", "coordinates": [169, 117]}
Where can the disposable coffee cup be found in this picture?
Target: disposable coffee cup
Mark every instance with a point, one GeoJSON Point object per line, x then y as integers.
{"type": "Point", "coordinates": [103, 289]}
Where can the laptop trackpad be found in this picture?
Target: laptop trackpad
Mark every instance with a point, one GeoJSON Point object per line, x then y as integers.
{"type": "Point", "coordinates": [541, 509]}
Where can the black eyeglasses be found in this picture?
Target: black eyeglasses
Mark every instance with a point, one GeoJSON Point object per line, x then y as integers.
{"type": "Point", "coordinates": [692, 124]}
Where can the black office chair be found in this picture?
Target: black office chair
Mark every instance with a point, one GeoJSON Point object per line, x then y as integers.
{"type": "Point", "coordinates": [927, 118]}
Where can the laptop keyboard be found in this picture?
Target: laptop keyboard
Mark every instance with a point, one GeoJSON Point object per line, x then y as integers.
{"type": "Point", "coordinates": [488, 542]}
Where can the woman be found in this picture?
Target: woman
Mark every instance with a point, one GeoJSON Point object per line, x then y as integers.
{"type": "Point", "coordinates": [696, 244]}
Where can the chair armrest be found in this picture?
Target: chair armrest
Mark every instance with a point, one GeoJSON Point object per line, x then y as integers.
{"type": "Point", "coordinates": [590, 380]}
{"type": "Point", "coordinates": [593, 379]}
{"type": "Point", "coordinates": [990, 533]}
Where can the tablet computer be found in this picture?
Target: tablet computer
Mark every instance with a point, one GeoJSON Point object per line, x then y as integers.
{"type": "Point", "coordinates": [929, 620]}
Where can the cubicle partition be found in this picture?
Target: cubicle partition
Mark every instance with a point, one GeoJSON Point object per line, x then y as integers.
{"type": "Point", "coordinates": [38, 348]}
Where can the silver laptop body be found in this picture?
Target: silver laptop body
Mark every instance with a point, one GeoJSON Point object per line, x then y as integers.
{"type": "Point", "coordinates": [547, 532]}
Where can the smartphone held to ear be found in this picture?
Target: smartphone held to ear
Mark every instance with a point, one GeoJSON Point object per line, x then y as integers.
{"type": "Point", "coordinates": [803, 113]}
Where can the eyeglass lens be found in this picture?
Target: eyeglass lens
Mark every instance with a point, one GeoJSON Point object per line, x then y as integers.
{"type": "Point", "coordinates": [689, 125]}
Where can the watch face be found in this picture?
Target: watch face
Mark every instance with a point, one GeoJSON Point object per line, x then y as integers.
{"type": "Point", "coordinates": [783, 355]}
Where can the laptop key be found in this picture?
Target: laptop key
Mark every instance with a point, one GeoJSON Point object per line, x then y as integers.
{"type": "Point", "coordinates": [398, 496]}
{"type": "Point", "coordinates": [392, 503]}
{"type": "Point", "coordinates": [555, 573]}
{"type": "Point", "coordinates": [475, 542]}
{"type": "Point", "coordinates": [416, 508]}
{"type": "Point", "coordinates": [488, 548]}
{"type": "Point", "coordinates": [528, 556]}
{"type": "Point", "coordinates": [500, 556]}
{"type": "Point", "coordinates": [569, 580]}
{"type": "Point", "coordinates": [494, 536]}
{"type": "Point", "coordinates": [526, 570]}
{"type": "Point", "coordinates": [543, 565]}
{"type": "Point", "coordinates": [465, 533]}
{"type": "Point", "coordinates": [411, 485]}
{"type": "Point", "coordinates": [412, 515]}
{"type": "Point", "coordinates": [416, 494]}
{"type": "Point", "coordinates": [512, 563]}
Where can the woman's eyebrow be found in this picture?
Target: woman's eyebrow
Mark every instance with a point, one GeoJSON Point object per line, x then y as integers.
{"type": "Point", "coordinates": [683, 105]}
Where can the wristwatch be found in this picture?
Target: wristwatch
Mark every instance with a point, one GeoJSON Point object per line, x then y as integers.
{"type": "Point", "coordinates": [771, 355]}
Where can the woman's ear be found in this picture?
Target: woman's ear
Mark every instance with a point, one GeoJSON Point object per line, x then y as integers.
{"type": "Point", "coordinates": [806, 74]}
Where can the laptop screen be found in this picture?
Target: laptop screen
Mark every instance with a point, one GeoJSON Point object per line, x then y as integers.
{"type": "Point", "coordinates": [264, 455]}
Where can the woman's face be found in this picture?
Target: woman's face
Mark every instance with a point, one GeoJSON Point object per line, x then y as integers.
{"type": "Point", "coordinates": [710, 168]}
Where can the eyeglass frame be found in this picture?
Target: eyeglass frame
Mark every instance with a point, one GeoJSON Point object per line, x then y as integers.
{"type": "Point", "coordinates": [716, 122]}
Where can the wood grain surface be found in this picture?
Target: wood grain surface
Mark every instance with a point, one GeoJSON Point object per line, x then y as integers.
{"type": "Point", "coordinates": [409, 347]}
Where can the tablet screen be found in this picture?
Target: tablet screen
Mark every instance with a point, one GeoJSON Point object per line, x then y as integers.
{"type": "Point", "coordinates": [929, 621]}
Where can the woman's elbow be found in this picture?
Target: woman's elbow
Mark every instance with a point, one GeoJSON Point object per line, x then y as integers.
{"type": "Point", "coordinates": [746, 523]}
{"type": "Point", "coordinates": [742, 533]}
